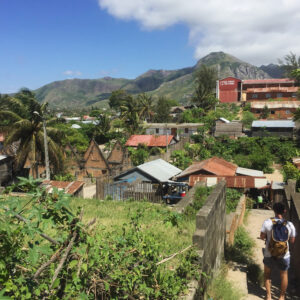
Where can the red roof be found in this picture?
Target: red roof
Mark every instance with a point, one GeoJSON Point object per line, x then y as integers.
{"type": "Point", "coordinates": [70, 187]}
{"type": "Point", "coordinates": [265, 81]}
{"type": "Point", "coordinates": [149, 140]}
{"type": "Point", "coordinates": [214, 165]}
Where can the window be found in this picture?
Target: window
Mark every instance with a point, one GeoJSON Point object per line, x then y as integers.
{"type": "Point", "coordinates": [268, 95]}
{"type": "Point", "coordinates": [279, 95]}
{"type": "Point", "coordinates": [258, 111]}
{"type": "Point", "coordinates": [104, 171]}
{"type": "Point", "coordinates": [186, 130]}
{"type": "Point", "coordinates": [272, 112]}
{"type": "Point", "coordinates": [156, 130]}
{"type": "Point", "coordinates": [288, 112]}
{"type": "Point", "coordinates": [254, 96]}
{"type": "Point", "coordinates": [294, 95]}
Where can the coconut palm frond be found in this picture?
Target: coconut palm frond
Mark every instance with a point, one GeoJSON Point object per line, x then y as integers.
{"type": "Point", "coordinates": [10, 116]}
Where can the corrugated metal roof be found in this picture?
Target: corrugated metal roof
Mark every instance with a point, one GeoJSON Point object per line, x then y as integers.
{"type": "Point", "coordinates": [172, 125]}
{"type": "Point", "coordinates": [214, 165]}
{"type": "Point", "coordinates": [274, 124]}
{"type": "Point", "coordinates": [275, 80]}
{"type": "Point", "coordinates": [277, 185]}
{"type": "Point", "coordinates": [3, 157]}
{"type": "Point", "coordinates": [274, 104]}
{"type": "Point", "coordinates": [224, 120]}
{"type": "Point", "coordinates": [159, 169]}
{"type": "Point", "coordinates": [70, 187]}
{"type": "Point", "coordinates": [149, 140]}
{"type": "Point", "coordinates": [249, 172]}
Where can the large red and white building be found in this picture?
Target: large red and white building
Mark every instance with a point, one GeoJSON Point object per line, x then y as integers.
{"type": "Point", "coordinates": [233, 90]}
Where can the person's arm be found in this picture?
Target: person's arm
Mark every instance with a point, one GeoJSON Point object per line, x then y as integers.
{"type": "Point", "coordinates": [292, 240]}
{"type": "Point", "coordinates": [263, 236]}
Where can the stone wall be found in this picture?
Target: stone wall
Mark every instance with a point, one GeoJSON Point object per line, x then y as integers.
{"type": "Point", "coordinates": [234, 220]}
{"type": "Point", "coordinates": [210, 234]}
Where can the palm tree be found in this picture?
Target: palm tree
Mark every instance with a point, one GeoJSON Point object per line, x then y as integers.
{"type": "Point", "coordinates": [146, 106]}
{"type": "Point", "coordinates": [130, 114]}
{"type": "Point", "coordinates": [23, 124]}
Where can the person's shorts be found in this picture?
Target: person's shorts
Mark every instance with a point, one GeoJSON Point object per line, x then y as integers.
{"type": "Point", "coordinates": [282, 264]}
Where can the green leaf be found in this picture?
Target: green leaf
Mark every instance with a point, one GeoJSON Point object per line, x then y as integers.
{"type": "Point", "coordinates": [73, 263]}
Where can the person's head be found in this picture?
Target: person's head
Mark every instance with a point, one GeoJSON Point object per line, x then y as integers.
{"type": "Point", "coordinates": [279, 208]}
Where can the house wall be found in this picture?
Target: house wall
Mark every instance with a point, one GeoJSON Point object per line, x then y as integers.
{"type": "Point", "coordinates": [177, 132]}
{"type": "Point", "coordinates": [287, 96]}
{"type": "Point", "coordinates": [276, 113]}
{"type": "Point", "coordinates": [229, 90]}
{"type": "Point", "coordinates": [277, 132]}
{"type": "Point", "coordinates": [95, 164]}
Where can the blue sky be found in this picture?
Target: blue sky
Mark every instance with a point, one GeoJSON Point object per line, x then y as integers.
{"type": "Point", "coordinates": [47, 40]}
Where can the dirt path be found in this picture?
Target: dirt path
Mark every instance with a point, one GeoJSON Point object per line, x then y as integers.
{"type": "Point", "coordinates": [253, 226]}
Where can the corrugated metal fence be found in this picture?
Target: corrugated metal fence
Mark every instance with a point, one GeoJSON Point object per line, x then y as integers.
{"type": "Point", "coordinates": [137, 191]}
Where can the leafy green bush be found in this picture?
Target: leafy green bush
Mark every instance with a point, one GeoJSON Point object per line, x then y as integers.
{"type": "Point", "coordinates": [52, 254]}
{"type": "Point", "coordinates": [232, 199]}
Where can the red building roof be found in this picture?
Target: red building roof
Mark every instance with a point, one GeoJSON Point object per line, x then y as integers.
{"type": "Point", "coordinates": [149, 140]}
{"type": "Point", "coordinates": [266, 81]}
{"type": "Point", "coordinates": [70, 187]}
{"type": "Point", "coordinates": [215, 165]}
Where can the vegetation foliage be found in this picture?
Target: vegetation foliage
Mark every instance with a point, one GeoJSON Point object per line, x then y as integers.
{"type": "Point", "coordinates": [72, 261]}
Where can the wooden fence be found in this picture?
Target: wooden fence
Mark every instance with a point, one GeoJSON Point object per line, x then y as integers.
{"type": "Point", "coordinates": [137, 191]}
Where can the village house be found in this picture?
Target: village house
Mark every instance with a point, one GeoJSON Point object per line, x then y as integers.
{"type": "Point", "coordinates": [277, 128]}
{"type": "Point", "coordinates": [118, 159]}
{"type": "Point", "coordinates": [155, 171]}
{"type": "Point", "coordinates": [233, 129]}
{"type": "Point", "coordinates": [177, 130]}
{"type": "Point", "coordinates": [151, 141]}
{"type": "Point", "coordinates": [215, 169]}
{"type": "Point", "coordinates": [233, 90]}
{"type": "Point", "coordinates": [176, 111]}
{"type": "Point", "coordinates": [277, 109]}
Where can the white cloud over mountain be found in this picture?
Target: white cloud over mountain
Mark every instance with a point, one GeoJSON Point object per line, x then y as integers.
{"type": "Point", "coordinates": [72, 73]}
{"type": "Point", "coordinates": [258, 31]}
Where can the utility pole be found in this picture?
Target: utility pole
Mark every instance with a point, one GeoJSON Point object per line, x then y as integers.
{"type": "Point", "coordinates": [46, 147]}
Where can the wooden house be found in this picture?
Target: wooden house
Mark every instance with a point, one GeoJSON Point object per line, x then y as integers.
{"type": "Point", "coordinates": [231, 129]}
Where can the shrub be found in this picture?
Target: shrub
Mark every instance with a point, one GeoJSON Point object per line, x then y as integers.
{"type": "Point", "coordinates": [232, 199]}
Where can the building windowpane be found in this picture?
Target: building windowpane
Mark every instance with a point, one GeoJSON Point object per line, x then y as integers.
{"type": "Point", "coordinates": [254, 96]}
{"type": "Point", "coordinates": [268, 95]}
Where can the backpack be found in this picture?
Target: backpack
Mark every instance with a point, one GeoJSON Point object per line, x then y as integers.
{"type": "Point", "coordinates": [278, 244]}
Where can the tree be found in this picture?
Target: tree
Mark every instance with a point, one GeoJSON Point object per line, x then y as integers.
{"type": "Point", "coordinates": [23, 114]}
{"type": "Point", "coordinates": [146, 107]}
{"type": "Point", "coordinates": [265, 112]}
{"type": "Point", "coordinates": [205, 82]}
{"type": "Point", "coordinates": [248, 118]}
{"type": "Point", "coordinates": [291, 64]}
{"type": "Point", "coordinates": [118, 98]}
{"type": "Point", "coordinates": [162, 110]}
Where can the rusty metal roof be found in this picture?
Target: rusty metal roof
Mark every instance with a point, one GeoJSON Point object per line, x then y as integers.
{"type": "Point", "coordinates": [149, 140]}
{"type": "Point", "coordinates": [70, 187]}
{"type": "Point", "coordinates": [266, 81]}
{"type": "Point", "coordinates": [214, 165]}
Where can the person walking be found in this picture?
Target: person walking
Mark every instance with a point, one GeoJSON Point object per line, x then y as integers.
{"type": "Point", "coordinates": [278, 234]}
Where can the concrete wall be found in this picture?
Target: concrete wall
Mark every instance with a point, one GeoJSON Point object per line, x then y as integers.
{"type": "Point", "coordinates": [210, 233]}
{"type": "Point", "coordinates": [293, 202]}
{"type": "Point", "coordinates": [234, 220]}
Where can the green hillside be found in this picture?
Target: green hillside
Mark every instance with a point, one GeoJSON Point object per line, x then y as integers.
{"type": "Point", "coordinates": [175, 84]}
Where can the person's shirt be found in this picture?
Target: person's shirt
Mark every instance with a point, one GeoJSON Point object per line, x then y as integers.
{"type": "Point", "coordinates": [267, 229]}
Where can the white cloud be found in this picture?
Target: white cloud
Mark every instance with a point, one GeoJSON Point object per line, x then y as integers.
{"type": "Point", "coordinates": [258, 31]}
{"type": "Point", "coordinates": [72, 73]}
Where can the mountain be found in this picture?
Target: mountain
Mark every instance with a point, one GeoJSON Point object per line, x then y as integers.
{"type": "Point", "coordinates": [176, 84]}
{"type": "Point", "coordinates": [274, 71]}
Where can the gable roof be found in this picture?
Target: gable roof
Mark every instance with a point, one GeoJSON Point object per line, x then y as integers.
{"type": "Point", "coordinates": [214, 165]}
{"type": "Point", "coordinates": [149, 140]}
{"type": "Point", "coordinates": [117, 143]}
{"type": "Point", "coordinates": [158, 169]}
{"type": "Point", "coordinates": [89, 150]}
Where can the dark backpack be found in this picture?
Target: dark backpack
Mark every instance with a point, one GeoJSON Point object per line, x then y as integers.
{"type": "Point", "coordinates": [278, 244]}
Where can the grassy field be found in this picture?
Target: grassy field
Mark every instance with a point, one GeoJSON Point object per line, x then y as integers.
{"type": "Point", "coordinates": [173, 231]}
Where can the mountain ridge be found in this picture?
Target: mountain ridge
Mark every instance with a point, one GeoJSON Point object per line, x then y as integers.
{"type": "Point", "coordinates": [177, 84]}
